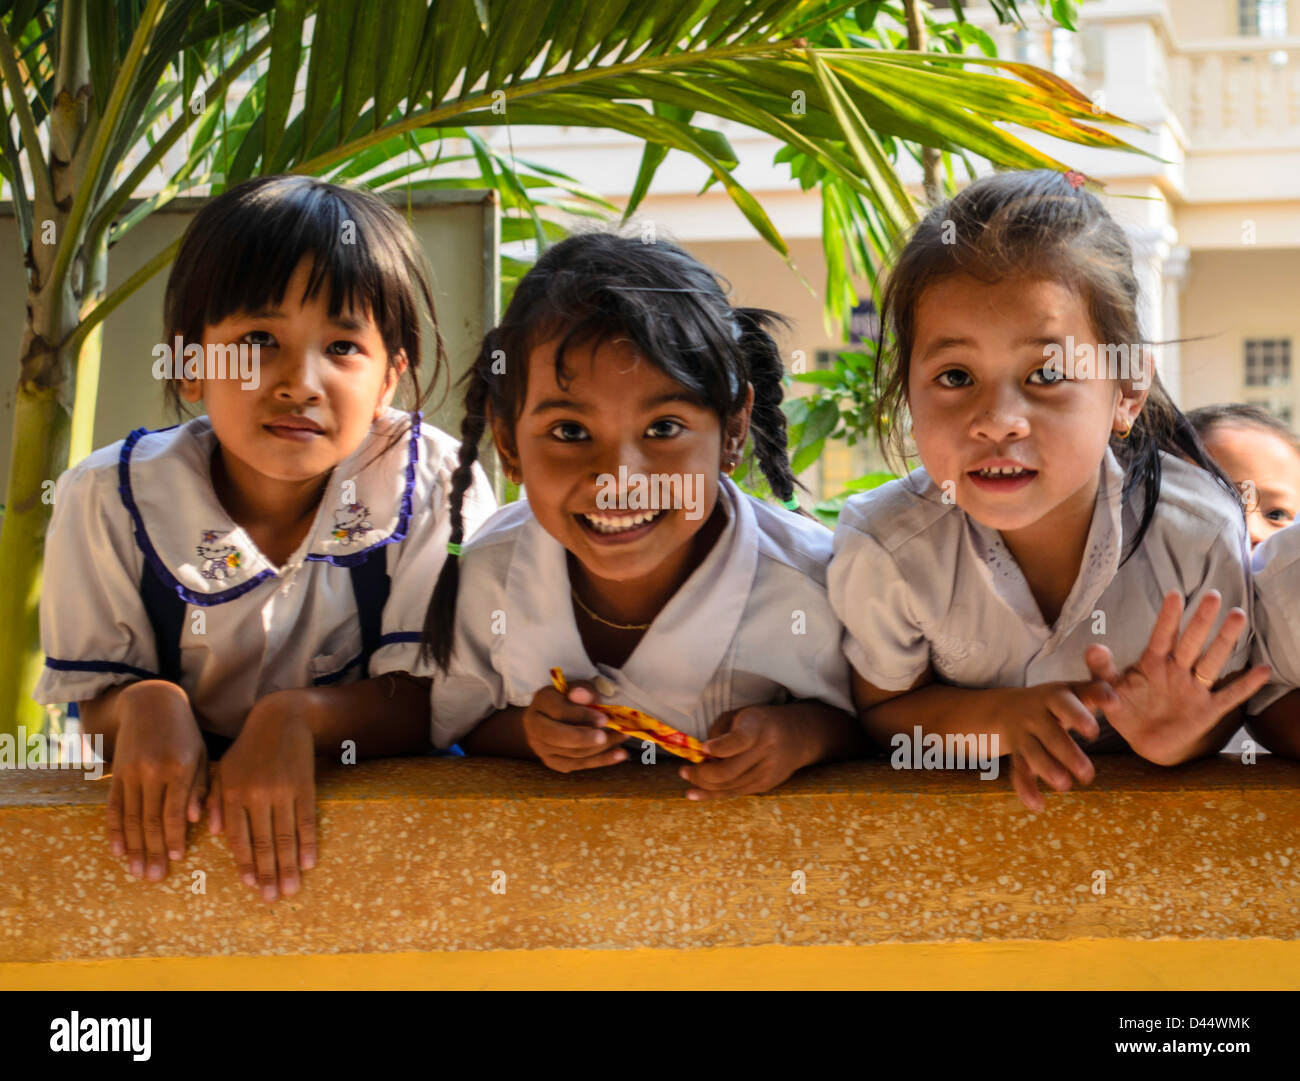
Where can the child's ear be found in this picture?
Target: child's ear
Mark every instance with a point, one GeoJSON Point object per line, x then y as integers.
{"type": "Point", "coordinates": [1133, 393]}
{"type": "Point", "coordinates": [392, 376]}
{"type": "Point", "coordinates": [503, 438]}
{"type": "Point", "coordinates": [733, 440]}
{"type": "Point", "coordinates": [190, 390]}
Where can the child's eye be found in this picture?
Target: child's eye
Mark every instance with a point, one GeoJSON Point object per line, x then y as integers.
{"type": "Point", "coordinates": [254, 333]}
{"type": "Point", "coordinates": [673, 426]}
{"type": "Point", "coordinates": [346, 345]}
{"type": "Point", "coordinates": [569, 431]}
{"type": "Point", "coordinates": [953, 378]}
{"type": "Point", "coordinates": [1050, 375]}
{"type": "Point", "coordinates": [1282, 517]}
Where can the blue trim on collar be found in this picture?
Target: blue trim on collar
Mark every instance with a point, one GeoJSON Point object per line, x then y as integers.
{"type": "Point", "coordinates": [206, 600]}
{"type": "Point", "coordinates": [99, 666]}
{"type": "Point", "coordinates": [165, 575]}
{"type": "Point", "coordinates": [404, 515]}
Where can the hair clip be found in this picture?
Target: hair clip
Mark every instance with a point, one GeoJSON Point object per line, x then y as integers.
{"type": "Point", "coordinates": [454, 549]}
{"type": "Point", "coordinates": [1075, 179]}
{"type": "Point", "coordinates": [790, 504]}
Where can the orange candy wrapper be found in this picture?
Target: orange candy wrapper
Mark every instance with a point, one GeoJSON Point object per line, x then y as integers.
{"type": "Point", "coordinates": [627, 721]}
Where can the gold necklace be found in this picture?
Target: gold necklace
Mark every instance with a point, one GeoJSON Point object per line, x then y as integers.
{"type": "Point", "coordinates": [599, 619]}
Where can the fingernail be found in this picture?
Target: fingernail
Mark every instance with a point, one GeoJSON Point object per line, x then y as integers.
{"type": "Point", "coordinates": [250, 880]}
{"type": "Point", "coordinates": [175, 853]}
{"type": "Point", "coordinates": [268, 893]}
{"type": "Point", "coordinates": [694, 795]}
{"type": "Point", "coordinates": [155, 872]}
{"type": "Point", "coordinates": [137, 867]}
{"type": "Point", "coordinates": [289, 887]}
{"type": "Point", "coordinates": [118, 848]}
{"type": "Point", "coordinates": [682, 774]}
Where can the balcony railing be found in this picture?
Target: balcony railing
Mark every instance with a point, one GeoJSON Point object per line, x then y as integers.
{"type": "Point", "coordinates": [1240, 91]}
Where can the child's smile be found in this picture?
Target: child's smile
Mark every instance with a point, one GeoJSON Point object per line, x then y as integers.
{"type": "Point", "coordinates": [621, 465]}
{"type": "Point", "coordinates": [616, 528]}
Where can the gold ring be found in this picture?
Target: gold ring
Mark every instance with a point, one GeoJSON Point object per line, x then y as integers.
{"type": "Point", "coordinates": [1207, 682]}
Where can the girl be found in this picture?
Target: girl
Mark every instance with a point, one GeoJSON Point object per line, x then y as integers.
{"type": "Point", "coordinates": [620, 388]}
{"type": "Point", "coordinates": [1261, 455]}
{"type": "Point", "coordinates": [1048, 518]}
{"type": "Point", "coordinates": [254, 574]}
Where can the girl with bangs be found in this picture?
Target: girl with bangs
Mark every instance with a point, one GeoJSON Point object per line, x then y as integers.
{"type": "Point", "coordinates": [247, 583]}
{"type": "Point", "coordinates": [620, 366]}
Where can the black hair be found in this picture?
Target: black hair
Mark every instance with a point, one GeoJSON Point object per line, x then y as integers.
{"type": "Point", "coordinates": [1026, 224]}
{"type": "Point", "coordinates": [241, 249]}
{"type": "Point", "coordinates": [1236, 415]}
{"type": "Point", "coordinates": [594, 287]}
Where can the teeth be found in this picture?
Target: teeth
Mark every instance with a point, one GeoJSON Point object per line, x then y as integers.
{"type": "Point", "coordinates": [609, 523]}
{"type": "Point", "coordinates": [1004, 471]}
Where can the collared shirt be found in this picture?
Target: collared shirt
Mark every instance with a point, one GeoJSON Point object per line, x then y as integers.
{"type": "Point", "coordinates": [1276, 563]}
{"type": "Point", "coordinates": [918, 583]}
{"type": "Point", "coordinates": [250, 627]}
{"type": "Point", "coordinates": [750, 626]}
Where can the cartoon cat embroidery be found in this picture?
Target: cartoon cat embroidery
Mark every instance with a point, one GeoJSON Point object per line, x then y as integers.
{"type": "Point", "coordinates": [351, 522]}
{"type": "Point", "coordinates": [220, 560]}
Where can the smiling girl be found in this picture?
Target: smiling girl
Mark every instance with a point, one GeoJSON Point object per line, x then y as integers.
{"type": "Point", "coordinates": [254, 575]}
{"type": "Point", "coordinates": [616, 362]}
{"type": "Point", "coordinates": [1034, 569]}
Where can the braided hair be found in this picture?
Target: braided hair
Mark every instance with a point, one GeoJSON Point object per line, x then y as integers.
{"type": "Point", "coordinates": [594, 287]}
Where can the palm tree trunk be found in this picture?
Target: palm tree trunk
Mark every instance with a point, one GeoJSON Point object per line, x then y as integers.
{"type": "Point", "coordinates": [44, 434]}
{"type": "Point", "coordinates": [929, 155]}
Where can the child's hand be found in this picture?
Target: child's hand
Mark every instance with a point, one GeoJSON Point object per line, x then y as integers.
{"type": "Point", "coordinates": [1034, 725]}
{"type": "Point", "coordinates": [264, 796]}
{"type": "Point", "coordinates": [568, 736]}
{"type": "Point", "coordinates": [755, 752]}
{"type": "Point", "coordinates": [1167, 702]}
{"type": "Point", "coordinates": [160, 775]}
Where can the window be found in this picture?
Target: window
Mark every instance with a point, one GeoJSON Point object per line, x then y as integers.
{"type": "Point", "coordinates": [1261, 18]}
{"type": "Point", "coordinates": [1268, 362]}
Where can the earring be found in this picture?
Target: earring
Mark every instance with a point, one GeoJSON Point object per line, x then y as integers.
{"type": "Point", "coordinates": [1127, 429]}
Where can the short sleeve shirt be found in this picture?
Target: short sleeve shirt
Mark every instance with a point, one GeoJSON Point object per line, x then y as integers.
{"type": "Point", "coordinates": [250, 627]}
{"type": "Point", "coordinates": [919, 584]}
{"type": "Point", "coordinates": [1276, 563]}
{"type": "Point", "coordinates": [751, 626]}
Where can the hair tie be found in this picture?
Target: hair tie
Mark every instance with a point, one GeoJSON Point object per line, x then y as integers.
{"type": "Point", "coordinates": [454, 549]}
{"type": "Point", "coordinates": [790, 504]}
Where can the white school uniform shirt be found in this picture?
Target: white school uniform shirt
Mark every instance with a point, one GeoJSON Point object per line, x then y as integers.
{"type": "Point", "coordinates": [918, 583]}
{"type": "Point", "coordinates": [265, 628]}
{"type": "Point", "coordinates": [750, 626]}
{"type": "Point", "coordinates": [1276, 564]}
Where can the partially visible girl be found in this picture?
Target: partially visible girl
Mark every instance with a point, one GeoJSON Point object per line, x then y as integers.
{"type": "Point", "coordinates": [621, 368]}
{"type": "Point", "coordinates": [1035, 569]}
{"type": "Point", "coordinates": [1261, 455]}
{"type": "Point", "coordinates": [259, 574]}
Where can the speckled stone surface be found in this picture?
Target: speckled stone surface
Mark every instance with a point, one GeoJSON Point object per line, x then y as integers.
{"type": "Point", "coordinates": [842, 855]}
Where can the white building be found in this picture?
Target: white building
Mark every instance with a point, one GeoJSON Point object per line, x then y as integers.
{"type": "Point", "coordinates": [1216, 225]}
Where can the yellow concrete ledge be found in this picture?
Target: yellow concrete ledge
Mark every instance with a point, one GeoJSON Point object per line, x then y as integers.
{"type": "Point", "coordinates": [477, 873]}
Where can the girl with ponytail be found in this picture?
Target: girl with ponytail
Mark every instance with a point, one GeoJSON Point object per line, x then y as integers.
{"type": "Point", "coordinates": [621, 390]}
{"type": "Point", "coordinates": [1035, 569]}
